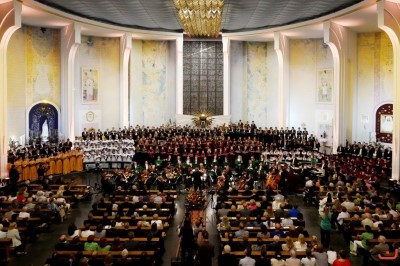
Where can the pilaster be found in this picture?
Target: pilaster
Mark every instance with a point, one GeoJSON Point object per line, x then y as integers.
{"type": "Point", "coordinates": [281, 45]}
{"type": "Point", "coordinates": [335, 36]}
{"type": "Point", "coordinates": [388, 21]}
{"type": "Point", "coordinates": [10, 17]}
{"type": "Point", "coordinates": [125, 50]}
{"type": "Point", "coordinates": [226, 45]}
{"type": "Point", "coordinates": [179, 75]}
{"type": "Point", "coordinates": [70, 41]}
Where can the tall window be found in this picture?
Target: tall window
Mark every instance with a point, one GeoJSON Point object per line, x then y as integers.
{"type": "Point", "coordinates": [203, 77]}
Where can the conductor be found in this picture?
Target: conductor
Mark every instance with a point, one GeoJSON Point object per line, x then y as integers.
{"type": "Point", "coordinates": [197, 178]}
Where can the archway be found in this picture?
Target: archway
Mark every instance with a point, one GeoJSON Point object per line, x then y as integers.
{"type": "Point", "coordinates": [43, 122]}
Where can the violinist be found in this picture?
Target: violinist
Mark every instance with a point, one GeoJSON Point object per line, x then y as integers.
{"type": "Point", "coordinates": [220, 182]}
{"type": "Point", "coordinates": [126, 175]}
{"type": "Point", "coordinates": [160, 182]}
{"type": "Point", "coordinates": [214, 174]}
{"type": "Point", "coordinates": [144, 177]}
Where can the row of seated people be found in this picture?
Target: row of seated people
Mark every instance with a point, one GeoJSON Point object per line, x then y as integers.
{"type": "Point", "coordinates": [32, 212]}
{"type": "Point", "coordinates": [114, 225]}
{"type": "Point", "coordinates": [363, 216]}
{"type": "Point", "coordinates": [115, 258]}
{"type": "Point", "coordinates": [118, 204]}
{"type": "Point", "coordinates": [314, 256]}
{"type": "Point", "coordinates": [373, 169]}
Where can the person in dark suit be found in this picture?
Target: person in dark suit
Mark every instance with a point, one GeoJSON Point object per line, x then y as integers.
{"type": "Point", "coordinates": [62, 244]}
{"type": "Point", "coordinates": [186, 242]}
{"type": "Point", "coordinates": [14, 176]}
{"type": "Point", "coordinates": [131, 244]}
{"type": "Point", "coordinates": [226, 258]}
{"type": "Point", "coordinates": [197, 178]}
{"type": "Point", "coordinates": [205, 251]}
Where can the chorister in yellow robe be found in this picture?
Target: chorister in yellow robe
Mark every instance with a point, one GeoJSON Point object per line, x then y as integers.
{"type": "Point", "coordinates": [72, 160]}
{"type": "Point", "coordinates": [33, 169]}
{"type": "Point", "coordinates": [52, 165]}
{"type": "Point", "coordinates": [59, 164]}
{"type": "Point", "coordinates": [26, 173]}
{"type": "Point", "coordinates": [79, 161]}
{"type": "Point", "coordinates": [66, 165]}
{"type": "Point", "coordinates": [46, 161]}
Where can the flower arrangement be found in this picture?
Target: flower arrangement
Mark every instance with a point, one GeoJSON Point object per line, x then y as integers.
{"type": "Point", "coordinates": [195, 200]}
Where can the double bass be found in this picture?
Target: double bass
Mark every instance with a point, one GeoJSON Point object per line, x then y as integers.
{"type": "Point", "coordinates": [272, 181]}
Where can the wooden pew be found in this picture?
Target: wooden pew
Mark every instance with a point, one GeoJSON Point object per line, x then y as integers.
{"type": "Point", "coordinates": [285, 254]}
{"type": "Point", "coordinates": [135, 253]}
{"type": "Point", "coordinates": [111, 239]}
{"type": "Point", "coordinates": [265, 240]}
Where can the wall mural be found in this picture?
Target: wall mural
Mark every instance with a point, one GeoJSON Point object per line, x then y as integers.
{"type": "Point", "coordinates": [384, 123]}
{"type": "Point", "coordinates": [90, 86]}
{"type": "Point", "coordinates": [43, 122]}
{"type": "Point", "coordinates": [324, 86]}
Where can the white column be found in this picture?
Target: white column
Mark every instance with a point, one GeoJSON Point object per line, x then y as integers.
{"type": "Point", "coordinates": [335, 36]}
{"type": "Point", "coordinates": [388, 17]}
{"type": "Point", "coordinates": [179, 75]}
{"type": "Point", "coordinates": [281, 45]}
{"type": "Point", "coordinates": [10, 21]}
{"type": "Point", "coordinates": [226, 45]}
{"type": "Point", "coordinates": [70, 41]}
{"type": "Point", "coordinates": [125, 50]}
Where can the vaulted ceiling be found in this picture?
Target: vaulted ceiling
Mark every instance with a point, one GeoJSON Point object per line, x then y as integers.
{"type": "Point", "coordinates": [238, 15]}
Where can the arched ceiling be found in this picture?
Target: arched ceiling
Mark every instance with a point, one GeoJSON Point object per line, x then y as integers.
{"type": "Point", "coordinates": [238, 15]}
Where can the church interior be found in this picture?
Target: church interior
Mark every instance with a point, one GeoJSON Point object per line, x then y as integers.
{"type": "Point", "coordinates": [199, 132]}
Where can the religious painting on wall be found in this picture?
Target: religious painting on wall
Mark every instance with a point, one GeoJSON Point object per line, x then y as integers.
{"type": "Point", "coordinates": [325, 86]}
{"type": "Point", "coordinates": [384, 123]}
{"type": "Point", "coordinates": [90, 86]}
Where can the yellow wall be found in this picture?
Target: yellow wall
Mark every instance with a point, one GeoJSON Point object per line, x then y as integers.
{"type": "Point", "coordinates": [33, 62]}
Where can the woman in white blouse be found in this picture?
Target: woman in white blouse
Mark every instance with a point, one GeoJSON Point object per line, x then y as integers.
{"type": "Point", "coordinates": [16, 243]}
{"type": "Point", "coordinates": [300, 244]}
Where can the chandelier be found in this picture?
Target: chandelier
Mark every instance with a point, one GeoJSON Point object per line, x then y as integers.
{"type": "Point", "coordinates": [200, 18]}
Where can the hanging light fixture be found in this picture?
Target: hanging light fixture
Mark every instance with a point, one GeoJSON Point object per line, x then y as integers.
{"type": "Point", "coordinates": [200, 18]}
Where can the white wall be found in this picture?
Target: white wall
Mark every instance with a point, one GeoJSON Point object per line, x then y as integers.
{"type": "Point", "coordinates": [103, 56]}
{"type": "Point", "coordinates": [307, 58]}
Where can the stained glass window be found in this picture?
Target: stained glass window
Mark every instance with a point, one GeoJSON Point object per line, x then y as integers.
{"type": "Point", "coordinates": [202, 77]}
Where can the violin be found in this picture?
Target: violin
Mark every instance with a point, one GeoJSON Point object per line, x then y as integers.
{"type": "Point", "coordinates": [220, 182]}
{"type": "Point", "coordinates": [144, 176]}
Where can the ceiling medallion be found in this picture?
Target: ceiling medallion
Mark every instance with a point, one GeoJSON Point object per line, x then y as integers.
{"type": "Point", "coordinates": [200, 18]}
